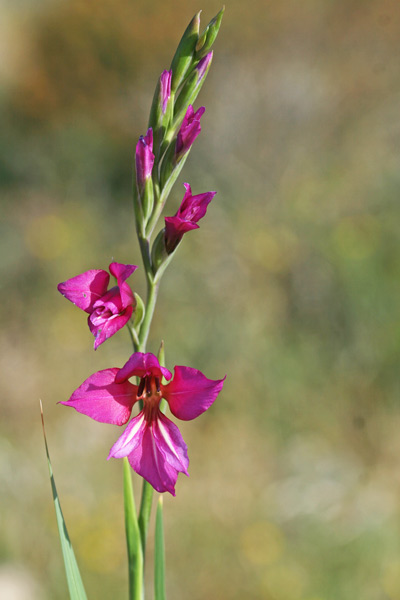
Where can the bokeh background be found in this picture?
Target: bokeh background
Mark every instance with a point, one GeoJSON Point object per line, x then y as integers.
{"type": "Point", "coordinates": [291, 287]}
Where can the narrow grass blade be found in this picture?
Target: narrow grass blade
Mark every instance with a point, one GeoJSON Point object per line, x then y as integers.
{"type": "Point", "coordinates": [133, 538]}
{"type": "Point", "coordinates": [74, 580]}
{"type": "Point", "coordinates": [159, 554]}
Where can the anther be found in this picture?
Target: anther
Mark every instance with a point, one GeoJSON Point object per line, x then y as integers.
{"type": "Point", "coordinates": [141, 387]}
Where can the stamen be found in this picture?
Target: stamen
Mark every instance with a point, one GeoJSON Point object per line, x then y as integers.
{"type": "Point", "coordinates": [148, 386]}
{"type": "Point", "coordinates": [141, 387]}
{"type": "Point", "coordinates": [158, 384]}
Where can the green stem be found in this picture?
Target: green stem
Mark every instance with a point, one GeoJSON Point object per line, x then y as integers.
{"type": "Point", "coordinates": [163, 197]}
{"type": "Point", "coordinates": [133, 336]}
{"type": "Point", "coordinates": [145, 511]}
{"type": "Point", "coordinates": [159, 554]}
{"type": "Point", "coordinates": [152, 292]}
{"type": "Point", "coordinates": [133, 539]}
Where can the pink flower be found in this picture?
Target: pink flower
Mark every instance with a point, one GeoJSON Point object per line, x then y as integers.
{"type": "Point", "coordinates": [152, 443]}
{"type": "Point", "coordinates": [144, 158]}
{"type": "Point", "coordinates": [188, 131]}
{"type": "Point", "coordinates": [165, 89]}
{"type": "Point", "coordinates": [109, 310]}
{"type": "Point", "coordinates": [191, 210]}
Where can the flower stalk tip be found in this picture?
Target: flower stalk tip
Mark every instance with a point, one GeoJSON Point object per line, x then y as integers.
{"type": "Point", "coordinates": [209, 35]}
{"type": "Point", "coordinates": [185, 52]}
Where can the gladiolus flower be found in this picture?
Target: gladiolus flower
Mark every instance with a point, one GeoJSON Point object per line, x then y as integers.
{"type": "Point", "coordinates": [188, 131]}
{"type": "Point", "coordinates": [152, 443]}
{"type": "Point", "coordinates": [109, 309]}
{"type": "Point", "coordinates": [191, 210]}
{"type": "Point", "coordinates": [144, 158]}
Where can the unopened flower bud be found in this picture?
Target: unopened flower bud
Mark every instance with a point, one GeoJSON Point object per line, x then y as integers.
{"type": "Point", "coordinates": [144, 167]}
{"type": "Point", "coordinates": [192, 87]}
{"type": "Point", "coordinates": [209, 35]}
{"type": "Point", "coordinates": [188, 131]}
{"type": "Point", "coordinates": [165, 90]}
{"type": "Point", "coordinates": [185, 52]}
{"type": "Point", "coordinates": [144, 158]}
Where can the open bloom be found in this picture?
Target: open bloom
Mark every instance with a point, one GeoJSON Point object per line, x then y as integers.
{"type": "Point", "coordinates": [152, 443]}
{"type": "Point", "coordinates": [144, 158]}
{"type": "Point", "coordinates": [109, 309]}
{"type": "Point", "coordinates": [191, 210]}
{"type": "Point", "coordinates": [188, 131]}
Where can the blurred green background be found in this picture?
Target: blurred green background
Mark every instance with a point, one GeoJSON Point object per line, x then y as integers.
{"type": "Point", "coordinates": [291, 287]}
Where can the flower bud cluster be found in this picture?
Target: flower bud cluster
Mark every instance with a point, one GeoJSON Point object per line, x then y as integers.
{"type": "Point", "coordinates": [174, 124]}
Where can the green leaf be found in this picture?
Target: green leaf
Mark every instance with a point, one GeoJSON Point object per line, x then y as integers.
{"type": "Point", "coordinates": [139, 311]}
{"type": "Point", "coordinates": [74, 580]}
{"type": "Point", "coordinates": [133, 541]}
{"type": "Point", "coordinates": [159, 554]}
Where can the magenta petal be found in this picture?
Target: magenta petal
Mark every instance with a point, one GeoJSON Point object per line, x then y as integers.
{"type": "Point", "coordinates": [148, 461]}
{"type": "Point", "coordinates": [110, 326]}
{"type": "Point", "coordinates": [175, 228]}
{"type": "Point", "coordinates": [193, 208]}
{"type": "Point", "coordinates": [130, 439]}
{"type": "Point", "coordinates": [147, 453]}
{"type": "Point", "coordinates": [190, 393]}
{"type": "Point", "coordinates": [83, 290]}
{"type": "Point", "coordinates": [189, 130]}
{"type": "Point", "coordinates": [170, 442]}
{"type": "Point", "coordinates": [141, 364]}
{"type": "Point", "coordinates": [121, 272]}
{"type": "Point", "coordinates": [100, 398]}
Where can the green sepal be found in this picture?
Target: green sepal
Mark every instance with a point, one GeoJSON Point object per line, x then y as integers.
{"type": "Point", "coordinates": [209, 35]}
{"type": "Point", "coordinates": [170, 169]}
{"type": "Point", "coordinates": [164, 263]}
{"type": "Point", "coordinates": [147, 199]}
{"type": "Point", "coordinates": [139, 311]}
{"type": "Point", "coordinates": [137, 206]}
{"type": "Point", "coordinates": [158, 252]}
{"type": "Point", "coordinates": [74, 579]}
{"type": "Point", "coordinates": [185, 52]}
{"type": "Point", "coordinates": [188, 95]}
{"type": "Point", "coordinates": [159, 554]}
